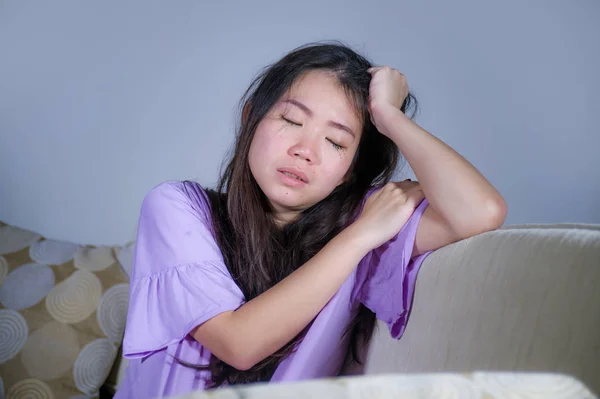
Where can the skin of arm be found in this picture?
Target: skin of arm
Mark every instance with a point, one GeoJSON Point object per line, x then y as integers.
{"type": "Point", "coordinates": [244, 337]}
{"type": "Point", "coordinates": [462, 202]}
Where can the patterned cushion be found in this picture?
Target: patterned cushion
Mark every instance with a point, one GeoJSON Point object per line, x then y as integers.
{"type": "Point", "coordinates": [63, 309]}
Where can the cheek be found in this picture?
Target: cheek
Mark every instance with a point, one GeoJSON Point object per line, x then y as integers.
{"type": "Point", "coordinates": [336, 170]}
{"type": "Point", "coordinates": [264, 146]}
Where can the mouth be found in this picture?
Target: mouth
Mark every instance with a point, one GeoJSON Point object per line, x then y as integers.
{"type": "Point", "coordinates": [293, 174]}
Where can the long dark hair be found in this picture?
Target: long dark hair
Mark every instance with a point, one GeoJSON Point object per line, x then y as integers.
{"type": "Point", "coordinates": [259, 254]}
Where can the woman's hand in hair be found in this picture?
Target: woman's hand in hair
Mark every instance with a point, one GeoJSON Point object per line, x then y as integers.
{"type": "Point", "coordinates": [387, 210]}
{"type": "Point", "coordinates": [387, 91]}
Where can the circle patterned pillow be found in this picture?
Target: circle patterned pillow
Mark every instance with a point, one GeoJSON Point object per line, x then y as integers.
{"type": "Point", "coordinates": [63, 308]}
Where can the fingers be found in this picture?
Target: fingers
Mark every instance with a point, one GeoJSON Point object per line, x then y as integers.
{"type": "Point", "coordinates": [401, 187]}
{"type": "Point", "coordinates": [374, 69]}
{"type": "Point", "coordinates": [398, 193]}
{"type": "Point", "coordinates": [406, 183]}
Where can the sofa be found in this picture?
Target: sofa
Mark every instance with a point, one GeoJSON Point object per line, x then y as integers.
{"type": "Point", "coordinates": [523, 297]}
{"type": "Point", "coordinates": [520, 298]}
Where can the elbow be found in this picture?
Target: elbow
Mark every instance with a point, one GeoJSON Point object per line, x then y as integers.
{"type": "Point", "coordinates": [237, 360]}
{"type": "Point", "coordinates": [242, 362]}
{"type": "Point", "coordinates": [490, 215]}
{"type": "Point", "coordinates": [496, 210]}
{"type": "Point", "coordinates": [244, 365]}
{"type": "Point", "coordinates": [241, 358]}
{"type": "Point", "coordinates": [229, 351]}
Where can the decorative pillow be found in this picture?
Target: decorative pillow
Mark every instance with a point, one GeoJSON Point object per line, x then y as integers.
{"type": "Point", "coordinates": [63, 309]}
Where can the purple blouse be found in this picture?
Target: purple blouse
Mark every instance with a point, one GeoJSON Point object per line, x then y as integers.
{"type": "Point", "coordinates": [179, 280]}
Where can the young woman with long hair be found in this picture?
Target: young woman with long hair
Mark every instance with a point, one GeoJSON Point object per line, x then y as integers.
{"type": "Point", "coordinates": [281, 270]}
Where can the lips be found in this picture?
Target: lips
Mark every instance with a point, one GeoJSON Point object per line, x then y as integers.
{"type": "Point", "coordinates": [294, 172]}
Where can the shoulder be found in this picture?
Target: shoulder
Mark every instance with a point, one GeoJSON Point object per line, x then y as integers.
{"type": "Point", "coordinates": [174, 208]}
{"type": "Point", "coordinates": [176, 196]}
{"type": "Point", "coordinates": [174, 229]}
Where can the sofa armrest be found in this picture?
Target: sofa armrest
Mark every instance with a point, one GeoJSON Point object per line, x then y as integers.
{"type": "Point", "coordinates": [518, 298]}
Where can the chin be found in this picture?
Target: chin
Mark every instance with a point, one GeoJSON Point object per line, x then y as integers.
{"type": "Point", "coordinates": [285, 198]}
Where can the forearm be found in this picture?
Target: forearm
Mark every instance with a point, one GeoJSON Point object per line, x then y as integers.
{"type": "Point", "coordinates": [454, 188]}
{"type": "Point", "coordinates": [268, 322]}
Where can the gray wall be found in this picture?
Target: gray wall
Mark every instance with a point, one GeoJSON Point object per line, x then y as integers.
{"type": "Point", "coordinates": [100, 102]}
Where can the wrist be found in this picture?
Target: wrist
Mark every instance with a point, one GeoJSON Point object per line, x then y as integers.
{"type": "Point", "coordinates": [384, 110]}
{"type": "Point", "coordinates": [388, 118]}
{"type": "Point", "coordinates": [357, 237]}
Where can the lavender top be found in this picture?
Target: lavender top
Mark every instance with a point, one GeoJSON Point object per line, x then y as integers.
{"type": "Point", "coordinates": [179, 280]}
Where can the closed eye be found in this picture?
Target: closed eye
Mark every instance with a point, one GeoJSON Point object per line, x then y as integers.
{"type": "Point", "coordinates": [291, 122]}
{"type": "Point", "coordinates": [334, 144]}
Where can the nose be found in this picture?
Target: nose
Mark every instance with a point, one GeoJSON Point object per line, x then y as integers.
{"type": "Point", "coordinates": [303, 151]}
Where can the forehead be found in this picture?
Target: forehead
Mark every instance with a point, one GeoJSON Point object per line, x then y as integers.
{"type": "Point", "coordinates": [322, 93]}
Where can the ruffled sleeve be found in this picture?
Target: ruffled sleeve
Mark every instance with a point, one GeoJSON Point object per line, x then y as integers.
{"type": "Point", "coordinates": [386, 277]}
{"type": "Point", "coordinates": [179, 279]}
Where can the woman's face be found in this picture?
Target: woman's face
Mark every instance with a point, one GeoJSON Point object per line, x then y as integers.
{"type": "Point", "coordinates": [312, 132]}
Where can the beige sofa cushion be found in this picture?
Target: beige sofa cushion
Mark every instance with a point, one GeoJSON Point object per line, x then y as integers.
{"type": "Point", "coordinates": [478, 385]}
{"type": "Point", "coordinates": [520, 298]}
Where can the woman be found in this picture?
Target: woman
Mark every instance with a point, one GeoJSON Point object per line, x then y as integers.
{"type": "Point", "coordinates": [282, 269]}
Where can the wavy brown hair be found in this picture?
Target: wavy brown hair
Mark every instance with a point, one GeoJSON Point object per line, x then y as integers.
{"type": "Point", "coordinates": [259, 254]}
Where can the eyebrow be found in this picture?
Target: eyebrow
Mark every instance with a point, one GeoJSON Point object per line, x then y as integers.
{"type": "Point", "coordinates": [310, 113]}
